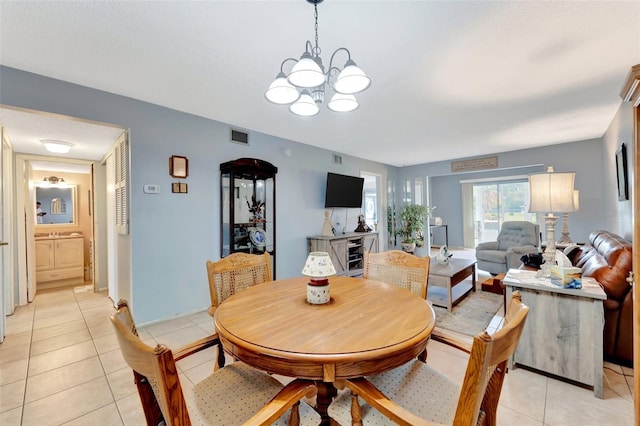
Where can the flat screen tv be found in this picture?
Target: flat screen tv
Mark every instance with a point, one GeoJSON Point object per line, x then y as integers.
{"type": "Point", "coordinates": [343, 191]}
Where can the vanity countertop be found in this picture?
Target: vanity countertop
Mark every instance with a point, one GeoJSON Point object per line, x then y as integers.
{"type": "Point", "coordinates": [59, 237]}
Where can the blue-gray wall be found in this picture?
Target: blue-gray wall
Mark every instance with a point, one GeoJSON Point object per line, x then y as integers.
{"type": "Point", "coordinates": [172, 235]}
{"type": "Point", "coordinates": [595, 178]}
{"type": "Point", "coordinates": [619, 213]}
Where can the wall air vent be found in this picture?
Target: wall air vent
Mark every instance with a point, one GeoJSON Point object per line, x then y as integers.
{"type": "Point", "coordinates": [337, 159]}
{"type": "Point", "coordinates": [239, 136]}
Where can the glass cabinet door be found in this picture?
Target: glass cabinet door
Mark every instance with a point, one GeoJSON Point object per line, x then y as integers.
{"type": "Point", "coordinates": [248, 207]}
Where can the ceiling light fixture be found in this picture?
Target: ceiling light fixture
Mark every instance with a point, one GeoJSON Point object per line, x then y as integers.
{"type": "Point", "coordinates": [304, 88]}
{"type": "Point", "coordinates": [57, 147]}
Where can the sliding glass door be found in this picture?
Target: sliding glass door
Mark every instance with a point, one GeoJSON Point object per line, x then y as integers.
{"type": "Point", "coordinates": [497, 202]}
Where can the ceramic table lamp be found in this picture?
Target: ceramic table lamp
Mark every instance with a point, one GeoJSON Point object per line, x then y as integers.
{"type": "Point", "coordinates": [318, 267]}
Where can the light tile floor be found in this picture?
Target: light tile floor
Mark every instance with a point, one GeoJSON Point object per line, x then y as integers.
{"type": "Point", "coordinates": [60, 365]}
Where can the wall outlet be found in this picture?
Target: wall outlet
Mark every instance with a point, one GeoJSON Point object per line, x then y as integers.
{"type": "Point", "coordinates": [151, 189]}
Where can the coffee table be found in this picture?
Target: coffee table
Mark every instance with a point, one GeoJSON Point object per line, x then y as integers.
{"type": "Point", "coordinates": [446, 282]}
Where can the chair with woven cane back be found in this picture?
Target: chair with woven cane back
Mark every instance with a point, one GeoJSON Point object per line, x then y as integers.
{"type": "Point", "coordinates": [399, 268]}
{"type": "Point", "coordinates": [216, 399]}
{"type": "Point", "coordinates": [416, 394]}
{"type": "Point", "coordinates": [234, 273]}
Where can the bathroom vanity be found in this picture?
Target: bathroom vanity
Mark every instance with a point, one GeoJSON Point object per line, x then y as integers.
{"type": "Point", "coordinates": [59, 260]}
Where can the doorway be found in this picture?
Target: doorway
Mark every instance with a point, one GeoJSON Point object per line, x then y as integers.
{"type": "Point", "coordinates": [63, 228]}
{"type": "Point", "coordinates": [90, 142]}
{"type": "Point", "coordinates": [488, 204]}
{"type": "Point", "coordinates": [371, 203]}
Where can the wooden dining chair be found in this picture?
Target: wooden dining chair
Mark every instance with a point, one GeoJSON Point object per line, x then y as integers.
{"type": "Point", "coordinates": [234, 273]}
{"type": "Point", "coordinates": [416, 394]}
{"type": "Point", "coordinates": [233, 395]}
{"type": "Point", "coordinates": [398, 268]}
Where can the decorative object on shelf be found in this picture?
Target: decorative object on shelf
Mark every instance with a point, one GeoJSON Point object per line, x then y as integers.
{"type": "Point", "coordinates": [411, 228]}
{"type": "Point", "coordinates": [362, 225]}
{"type": "Point", "coordinates": [318, 267]}
{"type": "Point", "coordinates": [443, 256]}
{"type": "Point", "coordinates": [304, 88]}
{"type": "Point", "coordinates": [55, 146]}
{"type": "Point", "coordinates": [566, 239]}
{"type": "Point", "coordinates": [550, 192]}
{"type": "Point", "coordinates": [257, 237]}
{"type": "Point", "coordinates": [256, 209]}
{"type": "Point", "coordinates": [178, 166]}
{"type": "Point", "coordinates": [327, 227]}
{"type": "Point", "coordinates": [621, 170]}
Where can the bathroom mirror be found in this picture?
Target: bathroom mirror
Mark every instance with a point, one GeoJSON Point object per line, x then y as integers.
{"type": "Point", "coordinates": [57, 205]}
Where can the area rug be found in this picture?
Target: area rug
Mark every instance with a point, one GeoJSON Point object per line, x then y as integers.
{"type": "Point", "coordinates": [471, 315]}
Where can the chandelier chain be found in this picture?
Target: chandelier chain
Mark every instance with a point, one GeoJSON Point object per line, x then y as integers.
{"type": "Point", "coordinates": [316, 50]}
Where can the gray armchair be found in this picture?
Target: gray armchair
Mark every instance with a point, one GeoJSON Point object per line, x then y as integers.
{"type": "Point", "coordinates": [516, 238]}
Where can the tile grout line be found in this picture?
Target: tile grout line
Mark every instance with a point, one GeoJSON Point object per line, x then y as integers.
{"type": "Point", "coordinates": [104, 372]}
{"type": "Point", "coordinates": [26, 377]}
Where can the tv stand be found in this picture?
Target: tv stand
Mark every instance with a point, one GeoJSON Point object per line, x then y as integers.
{"type": "Point", "coordinates": [346, 251]}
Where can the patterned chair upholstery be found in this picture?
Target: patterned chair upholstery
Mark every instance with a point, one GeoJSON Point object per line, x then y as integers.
{"type": "Point", "coordinates": [233, 395]}
{"type": "Point", "coordinates": [416, 394]}
{"type": "Point", "coordinates": [516, 238]}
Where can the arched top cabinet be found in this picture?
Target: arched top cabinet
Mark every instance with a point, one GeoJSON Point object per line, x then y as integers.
{"type": "Point", "coordinates": [248, 207]}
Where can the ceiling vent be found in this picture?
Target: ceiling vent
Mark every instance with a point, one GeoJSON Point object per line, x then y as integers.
{"type": "Point", "coordinates": [239, 136]}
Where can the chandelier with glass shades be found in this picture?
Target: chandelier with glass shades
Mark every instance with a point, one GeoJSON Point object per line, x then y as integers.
{"type": "Point", "coordinates": [304, 88]}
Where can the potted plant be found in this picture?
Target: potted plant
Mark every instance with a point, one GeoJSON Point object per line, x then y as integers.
{"type": "Point", "coordinates": [413, 218]}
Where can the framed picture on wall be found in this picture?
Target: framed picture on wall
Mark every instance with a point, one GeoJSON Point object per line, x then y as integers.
{"type": "Point", "coordinates": [178, 166]}
{"type": "Point", "coordinates": [621, 173]}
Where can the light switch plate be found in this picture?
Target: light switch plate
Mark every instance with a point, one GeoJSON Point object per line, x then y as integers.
{"type": "Point", "coordinates": [151, 189]}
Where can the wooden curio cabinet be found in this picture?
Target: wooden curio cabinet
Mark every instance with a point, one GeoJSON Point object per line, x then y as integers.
{"type": "Point", "coordinates": [248, 208]}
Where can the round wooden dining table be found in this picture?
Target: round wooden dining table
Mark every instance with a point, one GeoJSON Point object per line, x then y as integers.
{"type": "Point", "coordinates": [366, 328]}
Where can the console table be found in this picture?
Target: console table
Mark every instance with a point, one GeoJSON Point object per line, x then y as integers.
{"type": "Point", "coordinates": [346, 250]}
{"type": "Point", "coordinates": [563, 332]}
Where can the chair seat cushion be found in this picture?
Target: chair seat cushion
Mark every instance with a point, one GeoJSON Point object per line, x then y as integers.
{"type": "Point", "coordinates": [495, 256]}
{"type": "Point", "coordinates": [235, 393]}
{"type": "Point", "coordinates": [414, 386]}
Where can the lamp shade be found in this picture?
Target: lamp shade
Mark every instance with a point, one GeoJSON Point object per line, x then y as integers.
{"type": "Point", "coordinates": [318, 265]}
{"type": "Point", "coordinates": [306, 72]}
{"type": "Point", "coordinates": [343, 103]}
{"type": "Point", "coordinates": [551, 192]}
{"type": "Point", "coordinates": [576, 200]}
{"type": "Point", "coordinates": [281, 92]}
{"type": "Point", "coordinates": [351, 79]}
{"type": "Point", "coordinates": [305, 105]}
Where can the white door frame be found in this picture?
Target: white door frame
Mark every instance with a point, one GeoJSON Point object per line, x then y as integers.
{"type": "Point", "coordinates": [7, 248]}
{"type": "Point", "coordinates": [112, 275]}
{"type": "Point", "coordinates": [25, 219]}
{"type": "Point", "coordinates": [381, 200]}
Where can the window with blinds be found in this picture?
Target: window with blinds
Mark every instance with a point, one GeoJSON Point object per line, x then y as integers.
{"type": "Point", "coordinates": [121, 184]}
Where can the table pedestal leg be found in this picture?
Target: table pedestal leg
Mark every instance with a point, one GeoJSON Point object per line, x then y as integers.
{"type": "Point", "coordinates": [326, 392]}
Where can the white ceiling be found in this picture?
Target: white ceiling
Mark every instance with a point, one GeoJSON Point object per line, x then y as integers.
{"type": "Point", "coordinates": [450, 79]}
{"type": "Point", "coordinates": [26, 129]}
